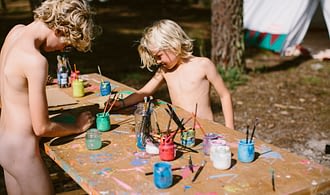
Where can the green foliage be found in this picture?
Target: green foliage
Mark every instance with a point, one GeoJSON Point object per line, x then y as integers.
{"type": "Point", "coordinates": [311, 80]}
{"type": "Point", "coordinates": [232, 76]}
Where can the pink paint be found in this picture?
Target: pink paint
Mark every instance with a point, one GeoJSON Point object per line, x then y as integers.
{"type": "Point", "coordinates": [122, 184]}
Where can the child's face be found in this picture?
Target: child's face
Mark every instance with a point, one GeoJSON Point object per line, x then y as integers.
{"type": "Point", "coordinates": [54, 42]}
{"type": "Point", "coordinates": [166, 58]}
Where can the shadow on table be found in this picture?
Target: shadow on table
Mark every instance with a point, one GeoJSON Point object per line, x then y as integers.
{"type": "Point", "coordinates": [69, 117]}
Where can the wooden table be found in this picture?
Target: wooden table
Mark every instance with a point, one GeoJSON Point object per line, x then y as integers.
{"type": "Point", "coordinates": [117, 169]}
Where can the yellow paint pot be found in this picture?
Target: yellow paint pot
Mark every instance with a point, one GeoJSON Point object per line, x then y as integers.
{"type": "Point", "coordinates": [78, 88]}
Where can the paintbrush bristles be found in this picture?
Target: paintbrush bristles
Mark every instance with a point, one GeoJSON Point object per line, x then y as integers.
{"type": "Point", "coordinates": [98, 67]}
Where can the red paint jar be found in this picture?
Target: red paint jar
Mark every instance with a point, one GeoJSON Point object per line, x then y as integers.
{"type": "Point", "coordinates": [167, 149]}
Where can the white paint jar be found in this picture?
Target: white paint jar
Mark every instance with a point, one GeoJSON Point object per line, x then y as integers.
{"type": "Point", "coordinates": [221, 156]}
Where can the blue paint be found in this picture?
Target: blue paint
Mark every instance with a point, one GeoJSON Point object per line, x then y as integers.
{"type": "Point", "coordinates": [186, 188]}
{"type": "Point", "coordinates": [163, 177]}
{"type": "Point", "coordinates": [274, 155]}
{"type": "Point", "coordinates": [245, 151]}
{"type": "Point", "coordinates": [139, 141]}
{"type": "Point", "coordinates": [139, 162]}
{"type": "Point", "coordinates": [100, 157]}
{"type": "Point", "coordinates": [105, 88]}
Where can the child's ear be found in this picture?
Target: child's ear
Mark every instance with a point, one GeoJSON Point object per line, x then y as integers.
{"type": "Point", "coordinates": [58, 32]}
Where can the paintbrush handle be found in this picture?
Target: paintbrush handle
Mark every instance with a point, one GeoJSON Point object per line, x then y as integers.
{"type": "Point", "coordinates": [173, 169]}
{"type": "Point", "coordinates": [175, 117]}
{"type": "Point", "coordinates": [254, 128]}
{"type": "Point", "coordinates": [199, 171]}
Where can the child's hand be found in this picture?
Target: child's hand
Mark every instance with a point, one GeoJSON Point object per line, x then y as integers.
{"type": "Point", "coordinates": [114, 105]}
{"type": "Point", "coordinates": [84, 121]}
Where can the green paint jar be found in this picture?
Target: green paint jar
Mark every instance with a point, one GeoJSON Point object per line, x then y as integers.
{"type": "Point", "coordinates": [93, 139]}
{"type": "Point", "coordinates": [103, 121]}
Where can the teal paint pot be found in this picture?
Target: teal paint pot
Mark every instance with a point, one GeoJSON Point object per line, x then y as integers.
{"type": "Point", "coordinates": [103, 121]}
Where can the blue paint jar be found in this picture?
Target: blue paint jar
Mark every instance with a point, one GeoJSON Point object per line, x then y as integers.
{"type": "Point", "coordinates": [245, 151]}
{"type": "Point", "coordinates": [163, 177]}
{"type": "Point", "coordinates": [103, 121]}
{"type": "Point", "coordinates": [105, 88]}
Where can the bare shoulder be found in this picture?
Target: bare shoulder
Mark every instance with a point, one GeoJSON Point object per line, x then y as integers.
{"type": "Point", "coordinates": [203, 61]}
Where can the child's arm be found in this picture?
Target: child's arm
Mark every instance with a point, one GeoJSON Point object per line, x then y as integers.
{"type": "Point", "coordinates": [36, 74]}
{"type": "Point", "coordinates": [227, 107]}
{"type": "Point", "coordinates": [147, 90]}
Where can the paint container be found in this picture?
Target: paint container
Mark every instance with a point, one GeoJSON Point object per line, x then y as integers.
{"type": "Point", "coordinates": [188, 137]}
{"type": "Point", "coordinates": [93, 139]}
{"type": "Point", "coordinates": [221, 156]}
{"type": "Point", "coordinates": [103, 121]}
{"type": "Point", "coordinates": [215, 144]}
{"type": "Point", "coordinates": [245, 151]}
{"type": "Point", "coordinates": [163, 177]}
{"type": "Point", "coordinates": [105, 88]}
{"type": "Point", "coordinates": [78, 88]}
{"type": "Point", "coordinates": [74, 75]}
{"type": "Point", "coordinates": [167, 149]}
{"type": "Point", "coordinates": [152, 148]}
{"type": "Point", "coordinates": [140, 115]}
{"type": "Point", "coordinates": [207, 142]}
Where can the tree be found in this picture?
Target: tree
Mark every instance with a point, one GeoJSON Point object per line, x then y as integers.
{"type": "Point", "coordinates": [227, 33]}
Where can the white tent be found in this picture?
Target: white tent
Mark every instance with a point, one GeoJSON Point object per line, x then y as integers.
{"type": "Point", "coordinates": [279, 25]}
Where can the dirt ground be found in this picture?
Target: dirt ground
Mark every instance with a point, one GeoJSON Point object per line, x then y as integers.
{"type": "Point", "coordinates": [289, 95]}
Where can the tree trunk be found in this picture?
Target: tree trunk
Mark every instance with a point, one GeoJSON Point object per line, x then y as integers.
{"type": "Point", "coordinates": [3, 5]}
{"type": "Point", "coordinates": [227, 33]}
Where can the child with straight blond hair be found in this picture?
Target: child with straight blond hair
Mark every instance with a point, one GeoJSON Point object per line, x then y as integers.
{"type": "Point", "coordinates": [188, 77]}
{"type": "Point", "coordinates": [58, 24]}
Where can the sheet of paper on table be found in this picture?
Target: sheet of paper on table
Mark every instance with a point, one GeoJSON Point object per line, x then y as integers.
{"type": "Point", "coordinates": [56, 97]}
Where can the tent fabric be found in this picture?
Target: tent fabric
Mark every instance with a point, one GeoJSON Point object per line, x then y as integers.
{"type": "Point", "coordinates": [279, 24]}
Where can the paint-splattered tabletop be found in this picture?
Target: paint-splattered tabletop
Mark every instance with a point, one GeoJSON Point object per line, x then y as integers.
{"type": "Point", "coordinates": [119, 167]}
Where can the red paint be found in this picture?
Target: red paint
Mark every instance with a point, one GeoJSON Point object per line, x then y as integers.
{"type": "Point", "coordinates": [166, 149]}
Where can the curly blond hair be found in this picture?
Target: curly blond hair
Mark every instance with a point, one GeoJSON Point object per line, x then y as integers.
{"type": "Point", "coordinates": [164, 34]}
{"type": "Point", "coordinates": [73, 18]}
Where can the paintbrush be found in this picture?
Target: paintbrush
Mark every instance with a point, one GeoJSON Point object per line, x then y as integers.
{"type": "Point", "coordinates": [200, 126]}
{"type": "Point", "coordinates": [98, 67]}
{"type": "Point", "coordinates": [156, 121]}
{"type": "Point", "coordinates": [195, 115]}
{"type": "Point", "coordinates": [185, 147]}
{"type": "Point", "coordinates": [254, 128]}
{"type": "Point", "coordinates": [191, 166]}
{"type": "Point", "coordinates": [114, 101]}
{"type": "Point", "coordinates": [176, 118]}
{"type": "Point", "coordinates": [173, 169]}
{"type": "Point", "coordinates": [169, 122]}
{"type": "Point", "coordinates": [273, 179]}
{"type": "Point", "coordinates": [199, 171]}
{"type": "Point", "coordinates": [176, 131]}
{"type": "Point", "coordinates": [106, 105]}
{"type": "Point", "coordinates": [247, 133]}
